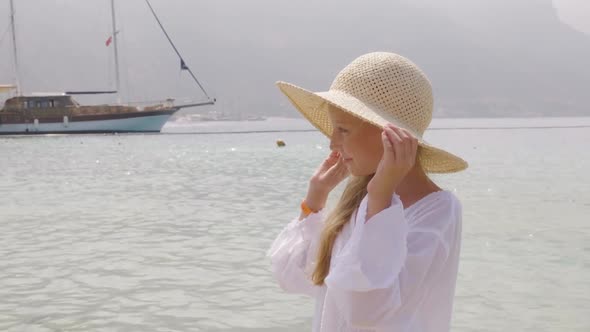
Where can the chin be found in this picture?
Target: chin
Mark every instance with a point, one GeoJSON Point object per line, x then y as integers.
{"type": "Point", "coordinates": [359, 173]}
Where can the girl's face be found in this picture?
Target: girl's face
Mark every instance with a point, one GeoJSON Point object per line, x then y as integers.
{"type": "Point", "coordinates": [358, 142]}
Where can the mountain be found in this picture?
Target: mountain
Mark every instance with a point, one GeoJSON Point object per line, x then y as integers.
{"type": "Point", "coordinates": [484, 57]}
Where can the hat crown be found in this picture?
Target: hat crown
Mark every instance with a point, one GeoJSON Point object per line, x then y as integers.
{"type": "Point", "coordinates": [392, 84]}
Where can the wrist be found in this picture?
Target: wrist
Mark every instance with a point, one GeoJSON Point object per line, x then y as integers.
{"type": "Point", "coordinates": [378, 202]}
{"type": "Point", "coordinates": [315, 201]}
{"type": "Point", "coordinates": [382, 185]}
{"type": "Point", "coordinates": [381, 192]}
{"type": "Point", "coordinates": [306, 210]}
{"type": "Point", "coordinates": [317, 195]}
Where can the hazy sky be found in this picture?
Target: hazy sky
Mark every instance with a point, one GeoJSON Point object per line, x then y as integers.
{"type": "Point", "coordinates": [239, 48]}
{"type": "Point", "coordinates": [575, 13]}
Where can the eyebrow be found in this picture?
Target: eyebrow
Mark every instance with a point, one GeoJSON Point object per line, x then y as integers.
{"type": "Point", "coordinates": [342, 121]}
{"type": "Point", "coordinates": [347, 121]}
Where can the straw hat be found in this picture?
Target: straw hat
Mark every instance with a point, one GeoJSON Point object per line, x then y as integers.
{"type": "Point", "coordinates": [379, 88]}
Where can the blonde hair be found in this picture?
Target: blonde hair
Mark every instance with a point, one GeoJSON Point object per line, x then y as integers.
{"type": "Point", "coordinates": [351, 198]}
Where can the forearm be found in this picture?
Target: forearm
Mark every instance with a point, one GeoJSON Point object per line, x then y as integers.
{"type": "Point", "coordinates": [292, 253]}
{"type": "Point", "coordinates": [315, 201]}
{"type": "Point", "coordinates": [378, 200]}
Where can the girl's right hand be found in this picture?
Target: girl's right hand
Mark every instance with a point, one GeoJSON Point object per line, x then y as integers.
{"type": "Point", "coordinates": [331, 172]}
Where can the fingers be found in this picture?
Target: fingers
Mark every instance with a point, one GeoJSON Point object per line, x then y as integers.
{"type": "Point", "coordinates": [403, 144]}
{"type": "Point", "coordinates": [333, 156]}
{"type": "Point", "coordinates": [406, 145]}
{"type": "Point", "coordinates": [412, 146]}
{"type": "Point", "coordinates": [332, 170]}
{"type": "Point", "coordinates": [387, 145]}
{"type": "Point", "coordinates": [338, 170]}
{"type": "Point", "coordinates": [329, 162]}
{"type": "Point", "coordinates": [395, 141]}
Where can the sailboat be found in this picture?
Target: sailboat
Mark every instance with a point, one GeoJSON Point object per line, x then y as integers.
{"type": "Point", "coordinates": [61, 113]}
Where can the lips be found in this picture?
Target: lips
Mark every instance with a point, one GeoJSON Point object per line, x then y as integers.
{"type": "Point", "coordinates": [344, 159]}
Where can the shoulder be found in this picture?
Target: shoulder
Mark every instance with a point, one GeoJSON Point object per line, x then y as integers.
{"type": "Point", "coordinates": [436, 212]}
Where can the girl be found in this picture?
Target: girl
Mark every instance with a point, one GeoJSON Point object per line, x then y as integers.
{"type": "Point", "coordinates": [386, 258]}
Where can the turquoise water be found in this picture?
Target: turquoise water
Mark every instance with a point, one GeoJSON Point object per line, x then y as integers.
{"type": "Point", "coordinates": [168, 232]}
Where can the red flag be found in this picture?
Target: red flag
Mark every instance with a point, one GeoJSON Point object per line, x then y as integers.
{"type": "Point", "coordinates": [108, 42]}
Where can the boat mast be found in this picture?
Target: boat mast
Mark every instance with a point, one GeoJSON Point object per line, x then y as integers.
{"type": "Point", "coordinates": [18, 91]}
{"type": "Point", "coordinates": [116, 50]}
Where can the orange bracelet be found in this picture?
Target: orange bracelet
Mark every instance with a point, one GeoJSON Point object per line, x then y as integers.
{"type": "Point", "coordinates": [306, 209]}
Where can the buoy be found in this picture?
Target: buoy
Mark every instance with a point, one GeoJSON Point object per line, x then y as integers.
{"type": "Point", "coordinates": [280, 143]}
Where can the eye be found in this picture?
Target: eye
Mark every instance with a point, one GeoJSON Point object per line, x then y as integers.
{"type": "Point", "coordinates": [342, 130]}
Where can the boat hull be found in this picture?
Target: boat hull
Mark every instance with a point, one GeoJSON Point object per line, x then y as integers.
{"type": "Point", "coordinates": [145, 123]}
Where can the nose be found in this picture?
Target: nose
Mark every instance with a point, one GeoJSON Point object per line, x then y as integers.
{"type": "Point", "coordinates": [334, 143]}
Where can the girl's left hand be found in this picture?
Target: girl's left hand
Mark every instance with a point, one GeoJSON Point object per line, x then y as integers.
{"type": "Point", "coordinates": [399, 156]}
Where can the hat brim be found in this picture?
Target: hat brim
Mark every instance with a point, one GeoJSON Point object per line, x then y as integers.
{"type": "Point", "coordinates": [313, 106]}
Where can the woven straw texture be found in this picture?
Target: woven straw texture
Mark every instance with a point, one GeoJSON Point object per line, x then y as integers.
{"type": "Point", "coordinates": [379, 88]}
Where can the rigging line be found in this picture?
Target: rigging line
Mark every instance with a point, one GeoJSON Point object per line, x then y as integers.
{"type": "Point", "coordinates": [4, 34]}
{"type": "Point", "coordinates": [175, 49]}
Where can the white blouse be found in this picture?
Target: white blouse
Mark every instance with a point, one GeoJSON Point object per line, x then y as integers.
{"type": "Point", "coordinates": [394, 272]}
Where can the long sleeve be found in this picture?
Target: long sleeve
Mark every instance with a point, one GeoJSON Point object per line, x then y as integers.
{"type": "Point", "coordinates": [388, 264]}
{"type": "Point", "coordinates": [292, 254]}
